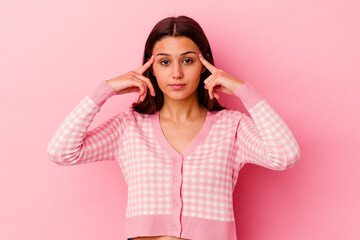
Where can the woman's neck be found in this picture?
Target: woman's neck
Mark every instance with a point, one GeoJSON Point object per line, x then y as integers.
{"type": "Point", "coordinates": [182, 110]}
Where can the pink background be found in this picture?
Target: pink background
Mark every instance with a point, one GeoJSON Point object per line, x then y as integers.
{"type": "Point", "coordinates": [302, 56]}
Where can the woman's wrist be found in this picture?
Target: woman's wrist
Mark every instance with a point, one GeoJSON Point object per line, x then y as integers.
{"type": "Point", "coordinates": [102, 92]}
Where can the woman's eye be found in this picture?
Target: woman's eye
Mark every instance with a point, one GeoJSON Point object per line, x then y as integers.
{"type": "Point", "coordinates": [166, 62]}
{"type": "Point", "coordinates": [188, 60]}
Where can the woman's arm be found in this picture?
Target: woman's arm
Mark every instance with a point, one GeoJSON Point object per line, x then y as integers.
{"type": "Point", "coordinates": [73, 144]}
{"type": "Point", "coordinates": [264, 139]}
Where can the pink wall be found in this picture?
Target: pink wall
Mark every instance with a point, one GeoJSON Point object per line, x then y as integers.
{"type": "Point", "coordinates": [303, 56]}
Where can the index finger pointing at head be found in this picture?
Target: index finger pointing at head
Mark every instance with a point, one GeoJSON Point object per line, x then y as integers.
{"type": "Point", "coordinates": [208, 65]}
{"type": "Point", "coordinates": [145, 66]}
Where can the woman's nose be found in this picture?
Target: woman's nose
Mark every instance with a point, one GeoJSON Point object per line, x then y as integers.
{"type": "Point", "coordinates": [177, 71]}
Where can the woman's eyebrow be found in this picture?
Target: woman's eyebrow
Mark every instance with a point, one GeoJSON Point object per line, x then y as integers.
{"type": "Point", "coordinates": [184, 53]}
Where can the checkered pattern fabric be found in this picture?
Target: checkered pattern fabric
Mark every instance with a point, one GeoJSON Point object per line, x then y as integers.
{"type": "Point", "coordinates": [206, 175]}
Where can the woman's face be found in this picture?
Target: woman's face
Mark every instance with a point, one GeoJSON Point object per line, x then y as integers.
{"type": "Point", "coordinates": [177, 62]}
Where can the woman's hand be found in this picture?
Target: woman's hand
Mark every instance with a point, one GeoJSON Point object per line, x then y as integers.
{"type": "Point", "coordinates": [219, 80]}
{"type": "Point", "coordinates": [134, 81]}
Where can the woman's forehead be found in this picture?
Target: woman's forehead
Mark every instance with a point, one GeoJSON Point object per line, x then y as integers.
{"type": "Point", "coordinates": [174, 46]}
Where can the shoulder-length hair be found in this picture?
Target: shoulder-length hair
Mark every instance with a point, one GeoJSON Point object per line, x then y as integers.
{"type": "Point", "coordinates": [176, 26]}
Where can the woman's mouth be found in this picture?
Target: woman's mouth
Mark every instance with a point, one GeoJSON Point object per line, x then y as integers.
{"type": "Point", "coordinates": [177, 86]}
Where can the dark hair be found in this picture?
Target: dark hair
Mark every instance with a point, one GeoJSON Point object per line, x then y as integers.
{"type": "Point", "coordinates": [176, 26]}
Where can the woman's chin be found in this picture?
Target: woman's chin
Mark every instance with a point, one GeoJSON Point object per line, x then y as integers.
{"type": "Point", "coordinates": [179, 95]}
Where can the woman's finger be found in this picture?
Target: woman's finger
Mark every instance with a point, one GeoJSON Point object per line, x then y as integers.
{"type": "Point", "coordinates": [207, 81]}
{"type": "Point", "coordinates": [211, 85]}
{"type": "Point", "coordinates": [216, 95]}
{"type": "Point", "coordinates": [141, 85]}
{"type": "Point", "coordinates": [208, 65]}
{"type": "Point", "coordinates": [147, 81]}
{"type": "Point", "coordinates": [145, 66]}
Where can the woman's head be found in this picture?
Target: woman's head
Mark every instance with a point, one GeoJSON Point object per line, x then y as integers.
{"type": "Point", "coordinates": [175, 36]}
{"type": "Point", "coordinates": [177, 62]}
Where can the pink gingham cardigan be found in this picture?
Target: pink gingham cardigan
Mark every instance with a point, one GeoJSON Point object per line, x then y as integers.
{"type": "Point", "coordinates": [187, 195]}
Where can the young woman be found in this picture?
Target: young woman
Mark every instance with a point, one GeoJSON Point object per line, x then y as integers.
{"type": "Point", "coordinates": [179, 150]}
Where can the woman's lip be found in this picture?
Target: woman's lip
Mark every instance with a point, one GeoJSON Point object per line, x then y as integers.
{"type": "Point", "coordinates": [177, 86]}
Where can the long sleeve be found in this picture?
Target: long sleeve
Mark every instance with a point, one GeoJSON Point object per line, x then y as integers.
{"type": "Point", "coordinates": [264, 139]}
{"type": "Point", "coordinates": [73, 144]}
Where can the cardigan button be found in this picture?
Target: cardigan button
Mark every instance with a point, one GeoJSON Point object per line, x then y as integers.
{"type": "Point", "coordinates": [176, 179]}
{"type": "Point", "coordinates": [175, 228]}
{"type": "Point", "coordinates": [176, 204]}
